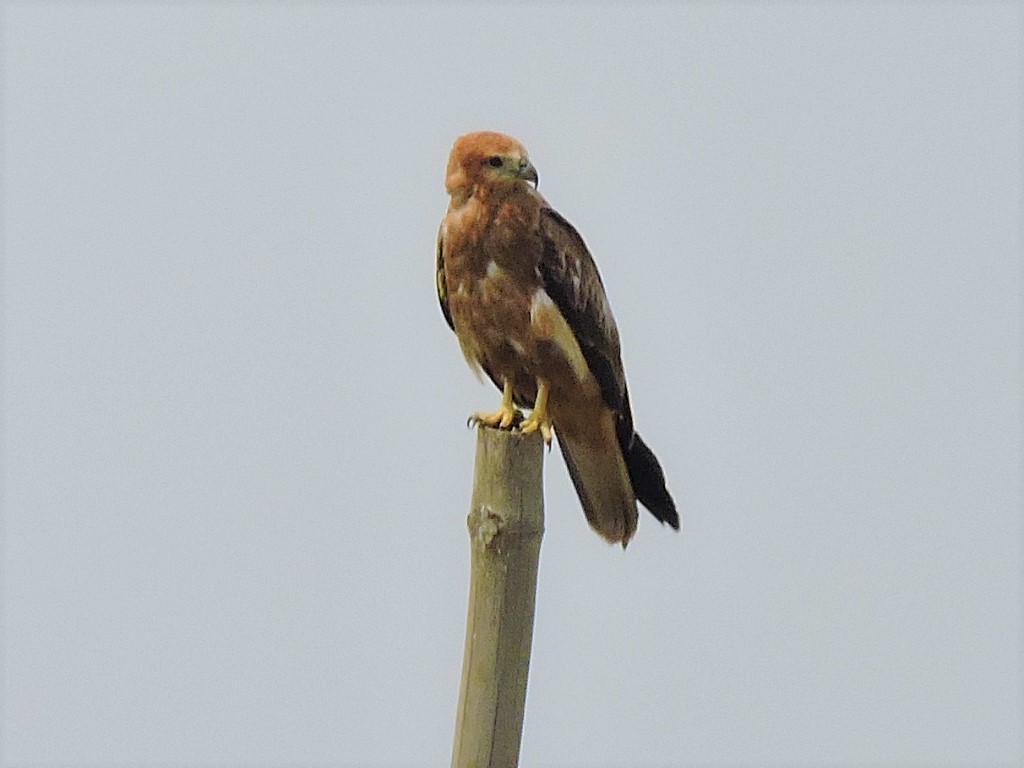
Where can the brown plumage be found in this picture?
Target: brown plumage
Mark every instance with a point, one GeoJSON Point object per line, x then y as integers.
{"type": "Point", "coordinates": [521, 291]}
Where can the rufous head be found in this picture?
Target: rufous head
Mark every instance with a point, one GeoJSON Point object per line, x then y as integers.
{"type": "Point", "coordinates": [487, 160]}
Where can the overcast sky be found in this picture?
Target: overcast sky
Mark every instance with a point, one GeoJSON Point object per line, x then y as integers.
{"type": "Point", "coordinates": [235, 467]}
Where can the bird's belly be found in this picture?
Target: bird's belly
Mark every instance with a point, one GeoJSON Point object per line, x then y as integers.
{"type": "Point", "coordinates": [517, 333]}
{"type": "Point", "coordinates": [493, 327]}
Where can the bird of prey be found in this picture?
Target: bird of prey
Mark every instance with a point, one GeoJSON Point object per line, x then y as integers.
{"type": "Point", "coordinates": [521, 291]}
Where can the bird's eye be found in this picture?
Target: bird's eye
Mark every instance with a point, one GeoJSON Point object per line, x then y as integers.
{"type": "Point", "coordinates": [494, 162]}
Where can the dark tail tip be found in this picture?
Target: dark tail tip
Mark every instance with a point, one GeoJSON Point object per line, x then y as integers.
{"type": "Point", "coordinates": [649, 482]}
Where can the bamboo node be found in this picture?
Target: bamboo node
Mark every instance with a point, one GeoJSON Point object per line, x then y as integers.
{"type": "Point", "coordinates": [485, 524]}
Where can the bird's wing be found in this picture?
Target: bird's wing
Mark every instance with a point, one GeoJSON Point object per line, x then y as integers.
{"type": "Point", "coordinates": [442, 288]}
{"type": "Point", "coordinates": [593, 440]}
{"type": "Point", "coordinates": [572, 281]}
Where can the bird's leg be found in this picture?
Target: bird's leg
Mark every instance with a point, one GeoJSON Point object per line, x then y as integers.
{"type": "Point", "coordinates": [539, 419]}
{"type": "Point", "coordinates": [503, 418]}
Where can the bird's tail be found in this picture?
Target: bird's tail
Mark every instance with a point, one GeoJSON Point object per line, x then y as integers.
{"type": "Point", "coordinates": [648, 482]}
{"type": "Point", "coordinates": [601, 476]}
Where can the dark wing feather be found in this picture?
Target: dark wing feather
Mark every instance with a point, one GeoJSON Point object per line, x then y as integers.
{"type": "Point", "coordinates": [442, 288]}
{"type": "Point", "coordinates": [572, 281]}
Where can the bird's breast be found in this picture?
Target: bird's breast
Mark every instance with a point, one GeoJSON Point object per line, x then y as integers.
{"type": "Point", "coordinates": [491, 310]}
{"type": "Point", "coordinates": [492, 276]}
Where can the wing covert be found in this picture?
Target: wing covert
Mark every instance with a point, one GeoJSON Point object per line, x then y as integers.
{"type": "Point", "coordinates": [572, 281]}
{"type": "Point", "coordinates": [439, 281]}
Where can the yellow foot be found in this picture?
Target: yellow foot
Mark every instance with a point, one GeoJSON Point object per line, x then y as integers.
{"type": "Point", "coordinates": [535, 422]}
{"type": "Point", "coordinates": [539, 418]}
{"type": "Point", "coordinates": [503, 418]}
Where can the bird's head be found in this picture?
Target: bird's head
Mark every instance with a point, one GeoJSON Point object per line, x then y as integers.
{"type": "Point", "coordinates": [487, 160]}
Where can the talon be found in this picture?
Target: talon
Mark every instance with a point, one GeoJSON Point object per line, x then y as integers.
{"type": "Point", "coordinates": [539, 418]}
{"type": "Point", "coordinates": [505, 417]}
{"type": "Point", "coordinates": [531, 425]}
{"type": "Point", "coordinates": [501, 418]}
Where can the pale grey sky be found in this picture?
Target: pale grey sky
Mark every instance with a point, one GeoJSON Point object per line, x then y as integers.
{"type": "Point", "coordinates": [235, 470]}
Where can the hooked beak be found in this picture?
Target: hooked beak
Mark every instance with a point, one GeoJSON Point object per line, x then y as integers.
{"type": "Point", "coordinates": [527, 172]}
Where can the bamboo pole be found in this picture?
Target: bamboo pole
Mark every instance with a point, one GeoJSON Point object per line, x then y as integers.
{"type": "Point", "coordinates": [506, 523]}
